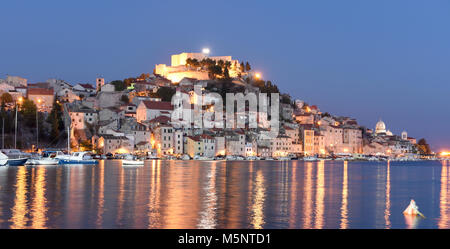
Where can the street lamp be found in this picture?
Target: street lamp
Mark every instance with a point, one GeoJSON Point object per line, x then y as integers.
{"type": "Point", "coordinates": [258, 76]}
{"type": "Point", "coordinates": [20, 99]}
{"type": "Point", "coordinates": [206, 51]}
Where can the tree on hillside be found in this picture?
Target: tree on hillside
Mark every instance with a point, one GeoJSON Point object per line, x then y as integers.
{"type": "Point", "coordinates": [125, 99]}
{"type": "Point", "coordinates": [242, 67]}
{"type": "Point", "coordinates": [28, 110]}
{"type": "Point", "coordinates": [4, 115]}
{"type": "Point", "coordinates": [226, 73]}
{"type": "Point", "coordinates": [118, 85]}
{"type": "Point", "coordinates": [6, 98]}
{"type": "Point", "coordinates": [247, 67]}
{"type": "Point", "coordinates": [55, 119]}
{"type": "Point", "coordinates": [423, 146]}
{"type": "Point", "coordinates": [166, 93]}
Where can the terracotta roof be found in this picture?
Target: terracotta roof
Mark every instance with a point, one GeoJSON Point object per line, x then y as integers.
{"type": "Point", "coordinates": [200, 137]}
{"type": "Point", "coordinates": [87, 86]}
{"type": "Point", "coordinates": [160, 119]}
{"type": "Point", "coordinates": [158, 105]}
{"type": "Point", "coordinates": [40, 91]}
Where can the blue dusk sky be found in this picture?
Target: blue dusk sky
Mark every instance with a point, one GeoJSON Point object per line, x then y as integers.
{"type": "Point", "coordinates": [364, 59]}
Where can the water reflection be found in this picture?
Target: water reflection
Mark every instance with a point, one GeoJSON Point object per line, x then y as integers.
{"type": "Point", "coordinates": [39, 207]}
{"type": "Point", "coordinates": [258, 203]}
{"type": "Point", "coordinates": [307, 202]}
{"type": "Point", "coordinates": [101, 194]}
{"type": "Point", "coordinates": [344, 207]}
{"type": "Point", "coordinates": [19, 217]}
{"type": "Point", "coordinates": [320, 195]}
{"type": "Point", "coordinates": [387, 211]}
{"type": "Point", "coordinates": [207, 215]}
{"type": "Point", "coordinates": [444, 199]}
{"type": "Point", "coordinates": [218, 194]}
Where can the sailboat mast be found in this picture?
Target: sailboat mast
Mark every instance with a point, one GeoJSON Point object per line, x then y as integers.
{"type": "Point", "coordinates": [68, 139]}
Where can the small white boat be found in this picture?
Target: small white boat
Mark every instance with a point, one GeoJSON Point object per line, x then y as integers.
{"type": "Point", "coordinates": [3, 159]}
{"type": "Point", "coordinates": [131, 160]}
{"type": "Point", "coordinates": [78, 158]}
{"type": "Point", "coordinates": [185, 157]}
{"type": "Point", "coordinates": [47, 158]}
{"type": "Point", "coordinates": [310, 159]}
{"type": "Point", "coordinates": [202, 158]}
{"type": "Point", "coordinates": [284, 159]}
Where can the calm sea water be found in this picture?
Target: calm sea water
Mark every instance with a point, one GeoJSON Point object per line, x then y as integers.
{"type": "Point", "coordinates": [219, 194]}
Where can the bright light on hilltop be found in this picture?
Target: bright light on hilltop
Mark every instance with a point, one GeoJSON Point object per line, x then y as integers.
{"type": "Point", "coordinates": [206, 51]}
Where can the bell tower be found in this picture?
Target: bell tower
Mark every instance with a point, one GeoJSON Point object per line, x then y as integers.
{"type": "Point", "coordinates": [404, 135]}
{"type": "Point", "coordinates": [99, 83]}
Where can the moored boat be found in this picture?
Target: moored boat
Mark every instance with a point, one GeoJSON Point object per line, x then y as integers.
{"type": "Point", "coordinates": [78, 158]}
{"type": "Point", "coordinates": [47, 158]}
{"type": "Point", "coordinates": [131, 160]}
{"type": "Point", "coordinates": [13, 157]}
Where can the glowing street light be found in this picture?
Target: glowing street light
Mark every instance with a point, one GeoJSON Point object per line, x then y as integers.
{"type": "Point", "coordinates": [206, 51]}
{"type": "Point", "coordinates": [258, 76]}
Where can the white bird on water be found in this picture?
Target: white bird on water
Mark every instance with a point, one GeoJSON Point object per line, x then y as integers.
{"type": "Point", "coordinates": [413, 209]}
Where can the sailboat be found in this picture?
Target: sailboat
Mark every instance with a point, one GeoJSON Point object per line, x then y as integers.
{"type": "Point", "coordinates": [12, 158]}
{"type": "Point", "coordinates": [76, 157]}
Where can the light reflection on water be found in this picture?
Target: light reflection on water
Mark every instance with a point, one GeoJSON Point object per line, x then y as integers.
{"type": "Point", "coordinates": [218, 194]}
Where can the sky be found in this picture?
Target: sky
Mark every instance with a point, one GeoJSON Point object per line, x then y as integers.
{"type": "Point", "coordinates": [363, 59]}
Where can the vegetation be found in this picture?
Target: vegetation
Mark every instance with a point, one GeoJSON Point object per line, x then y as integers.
{"type": "Point", "coordinates": [86, 145]}
{"type": "Point", "coordinates": [165, 93]}
{"type": "Point", "coordinates": [6, 98]}
{"type": "Point", "coordinates": [125, 99]}
{"type": "Point", "coordinates": [266, 86]}
{"type": "Point", "coordinates": [118, 85]}
{"type": "Point", "coordinates": [28, 111]}
{"type": "Point", "coordinates": [55, 119]}
{"type": "Point", "coordinates": [215, 69]}
{"type": "Point", "coordinates": [423, 147]}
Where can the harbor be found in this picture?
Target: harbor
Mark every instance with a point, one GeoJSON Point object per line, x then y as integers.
{"type": "Point", "coordinates": [225, 194]}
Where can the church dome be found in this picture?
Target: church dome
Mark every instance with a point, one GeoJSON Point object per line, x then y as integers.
{"type": "Point", "coordinates": [380, 127]}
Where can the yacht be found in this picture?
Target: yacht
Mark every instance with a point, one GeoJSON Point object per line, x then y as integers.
{"type": "Point", "coordinates": [47, 158]}
{"type": "Point", "coordinates": [310, 158]}
{"type": "Point", "coordinates": [13, 157]}
{"type": "Point", "coordinates": [131, 160]}
{"type": "Point", "coordinates": [78, 158]}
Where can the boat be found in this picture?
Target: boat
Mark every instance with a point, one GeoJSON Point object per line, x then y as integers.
{"type": "Point", "coordinates": [47, 158]}
{"type": "Point", "coordinates": [310, 158]}
{"type": "Point", "coordinates": [3, 159]}
{"type": "Point", "coordinates": [14, 157]}
{"type": "Point", "coordinates": [78, 158]}
{"type": "Point", "coordinates": [185, 157]}
{"type": "Point", "coordinates": [202, 158]}
{"type": "Point", "coordinates": [131, 160]}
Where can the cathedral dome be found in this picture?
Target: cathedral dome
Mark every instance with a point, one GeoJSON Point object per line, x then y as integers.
{"type": "Point", "coordinates": [380, 127]}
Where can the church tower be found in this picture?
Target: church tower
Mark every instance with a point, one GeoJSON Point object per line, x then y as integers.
{"type": "Point", "coordinates": [99, 83]}
{"type": "Point", "coordinates": [404, 135]}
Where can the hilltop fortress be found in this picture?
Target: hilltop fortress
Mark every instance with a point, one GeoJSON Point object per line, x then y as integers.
{"type": "Point", "coordinates": [179, 69]}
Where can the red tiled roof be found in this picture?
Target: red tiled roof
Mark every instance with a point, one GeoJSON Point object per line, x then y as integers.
{"type": "Point", "coordinates": [40, 91]}
{"type": "Point", "coordinates": [160, 119]}
{"type": "Point", "coordinates": [88, 86]}
{"type": "Point", "coordinates": [158, 105]}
